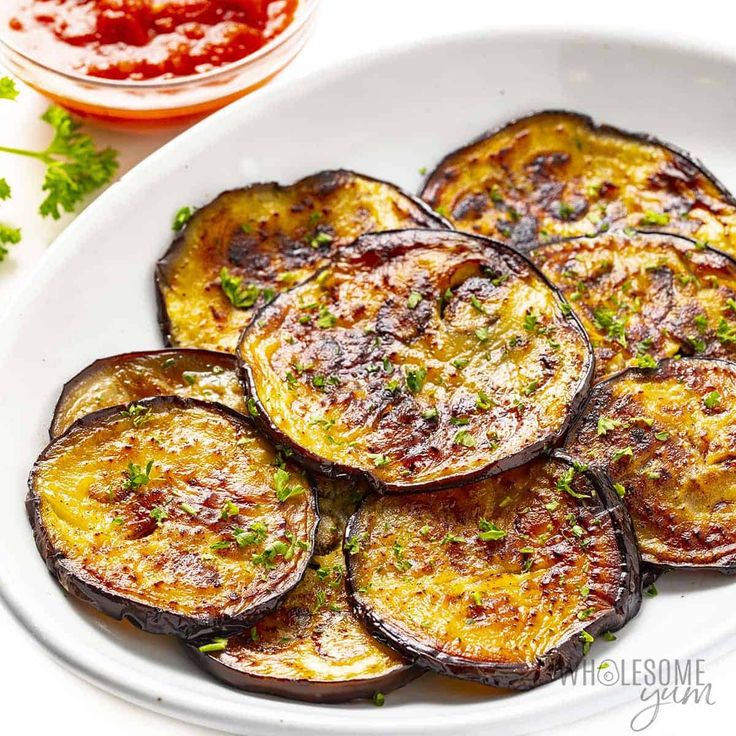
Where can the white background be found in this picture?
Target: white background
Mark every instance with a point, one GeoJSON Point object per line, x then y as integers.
{"type": "Point", "coordinates": [38, 696]}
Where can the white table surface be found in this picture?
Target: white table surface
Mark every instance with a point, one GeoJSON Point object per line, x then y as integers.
{"type": "Point", "coordinates": [36, 695]}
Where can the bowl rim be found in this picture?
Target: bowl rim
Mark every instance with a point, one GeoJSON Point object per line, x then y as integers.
{"type": "Point", "coordinates": [305, 11]}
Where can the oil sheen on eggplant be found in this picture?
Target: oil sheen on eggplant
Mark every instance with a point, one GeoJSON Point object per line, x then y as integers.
{"type": "Point", "coordinates": [644, 297]}
{"type": "Point", "coordinates": [667, 436]}
{"type": "Point", "coordinates": [557, 174]}
{"type": "Point", "coordinates": [312, 648]}
{"type": "Point", "coordinates": [507, 581]}
{"type": "Point", "coordinates": [121, 379]}
{"type": "Point", "coordinates": [170, 517]}
{"type": "Point", "coordinates": [268, 237]}
{"type": "Point", "coordinates": [420, 359]}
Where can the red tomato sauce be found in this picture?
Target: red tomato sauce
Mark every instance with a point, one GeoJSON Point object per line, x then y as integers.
{"type": "Point", "coordinates": [136, 40]}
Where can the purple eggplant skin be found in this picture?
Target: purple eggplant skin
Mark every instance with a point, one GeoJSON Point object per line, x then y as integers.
{"type": "Point", "coordinates": [188, 357]}
{"type": "Point", "coordinates": [311, 461]}
{"type": "Point", "coordinates": [554, 663]}
{"type": "Point", "coordinates": [322, 183]}
{"type": "Point", "coordinates": [525, 235]}
{"type": "Point", "coordinates": [307, 691]}
{"type": "Point", "coordinates": [146, 617]}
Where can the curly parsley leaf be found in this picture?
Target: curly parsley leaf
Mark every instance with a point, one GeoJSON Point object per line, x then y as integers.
{"type": "Point", "coordinates": [74, 165]}
{"type": "Point", "coordinates": [8, 90]}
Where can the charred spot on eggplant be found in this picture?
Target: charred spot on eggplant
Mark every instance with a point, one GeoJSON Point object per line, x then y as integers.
{"type": "Point", "coordinates": [507, 581]}
{"type": "Point", "coordinates": [667, 437]}
{"type": "Point", "coordinates": [312, 648]}
{"type": "Point", "coordinates": [643, 297]}
{"type": "Point", "coordinates": [188, 523]}
{"type": "Point", "coordinates": [557, 175]}
{"type": "Point", "coordinates": [420, 359]}
{"type": "Point", "coordinates": [127, 378]}
{"type": "Point", "coordinates": [247, 245]}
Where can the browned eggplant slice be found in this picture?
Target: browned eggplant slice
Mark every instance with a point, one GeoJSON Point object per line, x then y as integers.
{"type": "Point", "coordinates": [506, 582]}
{"type": "Point", "coordinates": [643, 297]}
{"type": "Point", "coordinates": [557, 174]}
{"type": "Point", "coordinates": [668, 438]}
{"type": "Point", "coordinates": [419, 358]}
{"type": "Point", "coordinates": [312, 648]}
{"type": "Point", "coordinates": [248, 244]}
{"type": "Point", "coordinates": [121, 379]}
{"type": "Point", "coordinates": [177, 518]}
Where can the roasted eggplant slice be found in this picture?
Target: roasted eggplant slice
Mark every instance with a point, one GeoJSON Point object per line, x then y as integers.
{"type": "Point", "coordinates": [668, 438]}
{"type": "Point", "coordinates": [507, 581]}
{"type": "Point", "coordinates": [419, 358]}
{"type": "Point", "coordinates": [643, 297]}
{"type": "Point", "coordinates": [121, 379]}
{"type": "Point", "coordinates": [312, 648]}
{"type": "Point", "coordinates": [240, 250]}
{"type": "Point", "coordinates": [557, 174]}
{"type": "Point", "coordinates": [176, 517]}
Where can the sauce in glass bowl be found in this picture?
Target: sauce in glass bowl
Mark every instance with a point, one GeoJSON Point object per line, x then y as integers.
{"type": "Point", "coordinates": [146, 39]}
{"type": "Point", "coordinates": [155, 60]}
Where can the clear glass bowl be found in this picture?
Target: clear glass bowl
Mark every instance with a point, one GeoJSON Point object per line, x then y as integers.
{"type": "Point", "coordinates": [176, 100]}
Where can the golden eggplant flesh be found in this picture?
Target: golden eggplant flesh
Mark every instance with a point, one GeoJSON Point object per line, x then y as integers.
{"type": "Point", "coordinates": [419, 359]}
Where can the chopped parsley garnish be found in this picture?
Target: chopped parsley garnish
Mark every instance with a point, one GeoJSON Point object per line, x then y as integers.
{"type": "Point", "coordinates": [400, 561]}
{"type": "Point", "coordinates": [159, 515]}
{"type": "Point", "coordinates": [415, 378]}
{"type": "Point", "coordinates": [352, 544]}
{"type": "Point", "coordinates": [483, 401]}
{"type": "Point", "coordinates": [181, 218]}
{"type": "Point", "coordinates": [614, 327]}
{"type": "Point", "coordinates": [240, 296]}
{"type": "Point", "coordinates": [651, 591]}
{"type": "Point", "coordinates": [712, 400]}
{"type": "Point", "coordinates": [430, 413]}
{"type": "Point", "coordinates": [662, 436]}
{"type": "Point", "coordinates": [189, 377]}
{"type": "Point", "coordinates": [725, 332]}
{"type": "Point", "coordinates": [565, 211]}
{"type": "Point", "coordinates": [697, 343]}
{"type": "Point", "coordinates": [255, 534]}
{"type": "Point", "coordinates": [138, 414]}
{"type": "Point", "coordinates": [651, 217]}
{"type": "Point", "coordinates": [379, 698]}
{"type": "Point", "coordinates": [464, 438]}
{"type": "Point", "coordinates": [482, 333]}
{"type": "Point", "coordinates": [531, 388]}
{"type": "Point", "coordinates": [606, 424]}
{"type": "Point", "coordinates": [477, 305]}
{"type": "Point", "coordinates": [187, 508]}
{"type": "Point", "coordinates": [625, 452]}
{"type": "Point", "coordinates": [216, 645]}
{"type": "Point", "coordinates": [252, 407]}
{"type": "Point", "coordinates": [414, 298]}
{"type": "Point", "coordinates": [459, 363]}
{"type": "Point", "coordinates": [701, 322]}
{"type": "Point", "coordinates": [489, 532]}
{"type": "Point", "coordinates": [620, 489]}
{"type": "Point", "coordinates": [279, 548]}
{"type": "Point", "coordinates": [137, 477]}
{"type": "Point", "coordinates": [229, 509]}
{"type": "Point", "coordinates": [564, 484]}
{"type": "Point", "coordinates": [378, 459]}
{"type": "Point", "coordinates": [587, 640]}
{"type": "Point", "coordinates": [646, 361]}
{"type": "Point", "coordinates": [284, 491]}
{"type": "Point", "coordinates": [320, 239]}
{"type": "Point", "coordinates": [531, 324]}
{"type": "Point", "coordinates": [326, 319]}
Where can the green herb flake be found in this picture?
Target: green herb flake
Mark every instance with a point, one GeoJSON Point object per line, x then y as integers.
{"type": "Point", "coordinates": [138, 414]}
{"type": "Point", "coordinates": [216, 645]}
{"type": "Point", "coordinates": [325, 319]}
{"type": "Point", "coordinates": [651, 217]}
{"type": "Point", "coordinates": [587, 640]}
{"type": "Point", "coordinates": [239, 295]}
{"type": "Point", "coordinates": [229, 509]}
{"type": "Point", "coordinates": [430, 413]}
{"type": "Point", "coordinates": [464, 438]}
{"type": "Point", "coordinates": [159, 515]}
{"type": "Point", "coordinates": [646, 361]}
{"type": "Point", "coordinates": [651, 591]}
{"type": "Point", "coordinates": [415, 378]}
{"type": "Point", "coordinates": [620, 489]}
{"type": "Point", "coordinates": [483, 401]}
{"type": "Point", "coordinates": [284, 491]}
{"type": "Point", "coordinates": [625, 452]}
{"type": "Point", "coordinates": [712, 400]}
{"type": "Point", "coordinates": [606, 424]}
{"type": "Point", "coordinates": [137, 477]}
{"type": "Point", "coordinates": [181, 218]}
{"type": "Point", "coordinates": [477, 305]}
{"type": "Point", "coordinates": [8, 90]}
{"type": "Point", "coordinates": [379, 699]}
{"type": "Point", "coordinates": [414, 298]}
{"type": "Point", "coordinates": [489, 532]}
{"type": "Point", "coordinates": [255, 534]}
{"type": "Point", "coordinates": [187, 508]}
{"type": "Point", "coordinates": [662, 436]}
{"type": "Point", "coordinates": [378, 459]}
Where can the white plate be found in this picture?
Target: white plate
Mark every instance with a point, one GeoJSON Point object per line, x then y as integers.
{"type": "Point", "coordinates": [386, 116]}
